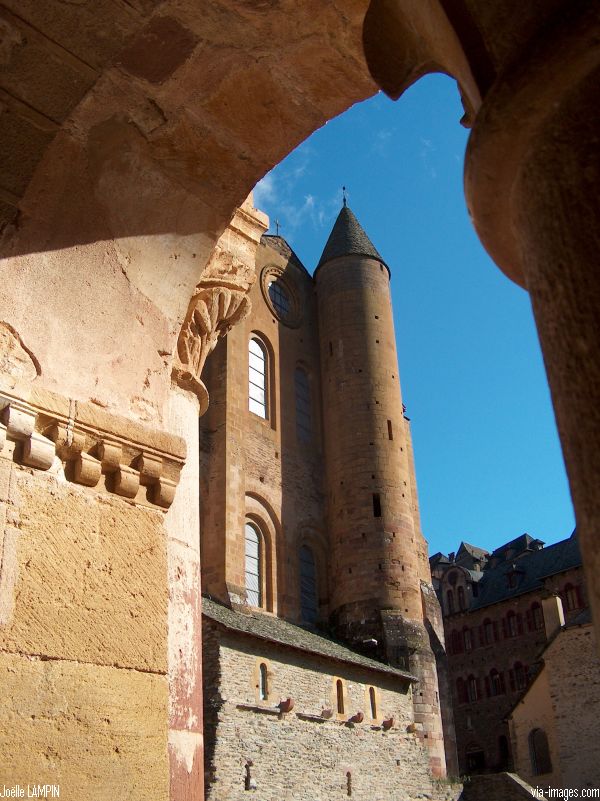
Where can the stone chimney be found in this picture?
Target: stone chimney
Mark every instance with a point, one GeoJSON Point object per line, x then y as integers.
{"type": "Point", "coordinates": [554, 617]}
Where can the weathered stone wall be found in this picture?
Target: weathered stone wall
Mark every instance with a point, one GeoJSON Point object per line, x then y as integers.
{"type": "Point", "coordinates": [300, 755]}
{"type": "Point", "coordinates": [480, 723]}
{"type": "Point", "coordinates": [574, 677]}
{"type": "Point", "coordinates": [564, 701]}
{"type": "Point", "coordinates": [83, 630]}
{"type": "Point", "coordinates": [259, 468]}
{"type": "Point", "coordinates": [535, 711]}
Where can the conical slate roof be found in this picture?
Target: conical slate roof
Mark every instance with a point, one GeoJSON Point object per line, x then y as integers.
{"type": "Point", "coordinates": [348, 238]}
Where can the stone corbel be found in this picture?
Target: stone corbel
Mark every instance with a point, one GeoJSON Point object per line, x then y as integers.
{"type": "Point", "coordinates": [213, 311]}
{"type": "Point", "coordinates": [137, 463]}
{"type": "Point", "coordinates": [18, 425]}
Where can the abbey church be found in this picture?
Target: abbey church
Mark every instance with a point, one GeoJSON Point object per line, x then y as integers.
{"type": "Point", "coordinates": [282, 529]}
{"type": "Point", "coordinates": [319, 607]}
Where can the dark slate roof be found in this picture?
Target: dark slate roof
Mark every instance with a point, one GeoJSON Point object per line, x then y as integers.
{"type": "Point", "coordinates": [531, 569]}
{"type": "Point", "coordinates": [348, 238]}
{"type": "Point", "coordinates": [438, 558]}
{"type": "Point", "coordinates": [472, 550]}
{"type": "Point", "coordinates": [276, 630]}
{"type": "Point", "coordinates": [519, 544]}
{"type": "Point", "coordinates": [283, 247]}
{"type": "Point", "coordinates": [582, 619]}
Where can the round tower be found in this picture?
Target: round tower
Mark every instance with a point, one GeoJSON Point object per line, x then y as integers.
{"type": "Point", "coordinates": [376, 546]}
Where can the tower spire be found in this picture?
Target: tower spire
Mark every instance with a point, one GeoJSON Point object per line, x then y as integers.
{"type": "Point", "coordinates": [348, 238]}
{"type": "Point", "coordinates": [344, 196]}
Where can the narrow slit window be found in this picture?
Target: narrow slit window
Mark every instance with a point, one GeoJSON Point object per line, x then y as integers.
{"type": "Point", "coordinates": [373, 703]}
{"type": "Point", "coordinates": [390, 431]}
{"type": "Point", "coordinates": [253, 566]}
{"type": "Point", "coordinates": [263, 682]}
{"type": "Point", "coordinates": [339, 689]}
{"type": "Point", "coordinates": [303, 411]}
{"type": "Point", "coordinates": [376, 505]}
{"type": "Point", "coordinates": [257, 378]}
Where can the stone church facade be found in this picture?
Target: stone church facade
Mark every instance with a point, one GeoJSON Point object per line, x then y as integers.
{"type": "Point", "coordinates": [310, 531]}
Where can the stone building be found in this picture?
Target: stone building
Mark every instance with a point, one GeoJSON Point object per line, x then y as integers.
{"type": "Point", "coordinates": [499, 613]}
{"type": "Point", "coordinates": [310, 515]}
{"type": "Point", "coordinates": [555, 724]}
{"type": "Point", "coordinates": [131, 131]}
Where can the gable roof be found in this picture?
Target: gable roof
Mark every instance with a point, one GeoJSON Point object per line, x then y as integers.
{"type": "Point", "coordinates": [472, 550]}
{"type": "Point", "coordinates": [273, 629]}
{"type": "Point", "coordinates": [519, 544]}
{"type": "Point", "coordinates": [282, 246]}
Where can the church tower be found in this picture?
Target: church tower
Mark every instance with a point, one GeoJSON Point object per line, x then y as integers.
{"type": "Point", "coordinates": [379, 573]}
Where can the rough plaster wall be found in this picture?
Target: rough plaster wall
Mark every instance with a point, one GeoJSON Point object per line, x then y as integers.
{"type": "Point", "coordinates": [83, 595]}
{"type": "Point", "coordinates": [574, 678]}
{"type": "Point", "coordinates": [306, 759]}
{"type": "Point", "coordinates": [535, 712]}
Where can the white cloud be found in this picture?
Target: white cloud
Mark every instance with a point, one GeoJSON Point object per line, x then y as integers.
{"type": "Point", "coordinates": [426, 150]}
{"type": "Point", "coordinates": [265, 191]}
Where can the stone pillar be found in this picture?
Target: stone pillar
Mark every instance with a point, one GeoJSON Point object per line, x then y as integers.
{"type": "Point", "coordinates": [532, 174]}
{"type": "Point", "coordinates": [219, 302]}
{"type": "Point", "coordinates": [182, 525]}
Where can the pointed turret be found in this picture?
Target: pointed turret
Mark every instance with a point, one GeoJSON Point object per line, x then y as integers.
{"type": "Point", "coordinates": [378, 554]}
{"type": "Point", "coordinates": [348, 238]}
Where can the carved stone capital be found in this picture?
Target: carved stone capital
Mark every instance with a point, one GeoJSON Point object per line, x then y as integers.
{"type": "Point", "coordinates": [220, 300]}
{"type": "Point", "coordinates": [213, 311]}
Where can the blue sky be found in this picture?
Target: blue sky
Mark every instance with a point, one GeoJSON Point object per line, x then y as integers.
{"type": "Point", "coordinates": [489, 465]}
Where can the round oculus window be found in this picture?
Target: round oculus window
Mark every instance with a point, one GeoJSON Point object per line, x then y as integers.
{"type": "Point", "coordinates": [281, 296]}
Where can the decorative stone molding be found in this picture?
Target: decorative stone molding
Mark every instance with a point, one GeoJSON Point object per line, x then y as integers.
{"type": "Point", "coordinates": [214, 310]}
{"type": "Point", "coordinates": [221, 298]}
{"type": "Point", "coordinates": [97, 449]}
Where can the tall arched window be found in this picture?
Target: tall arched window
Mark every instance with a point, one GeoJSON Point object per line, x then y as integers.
{"type": "Point", "coordinates": [450, 601]}
{"type": "Point", "coordinates": [571, 599]}
{"type": "Point", "coordinates": [253, 567]}
{"type": "Point", "coordinates": [472, 689]}
{"type": "Point", "coordinates": [539, 752]}
{"type": "Point", "coordinates": [303, 415]}
{"type": "Point", "coordinates": [257, 378]}
{"type": "Point", "coordinates": [538, 616]}
{"type": "Point", "coordinates": [511, 624]}
{"type": "Point", "coordinates": [467, 639]}
{"type": "Point", "coordinates": [309, 609]}
{"type": "Point", "coordinates": [520, 676]}
{"type": "Point", "coordinates": [496, 683]}
{"type": "Point", "coordinates": [461, 598]}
